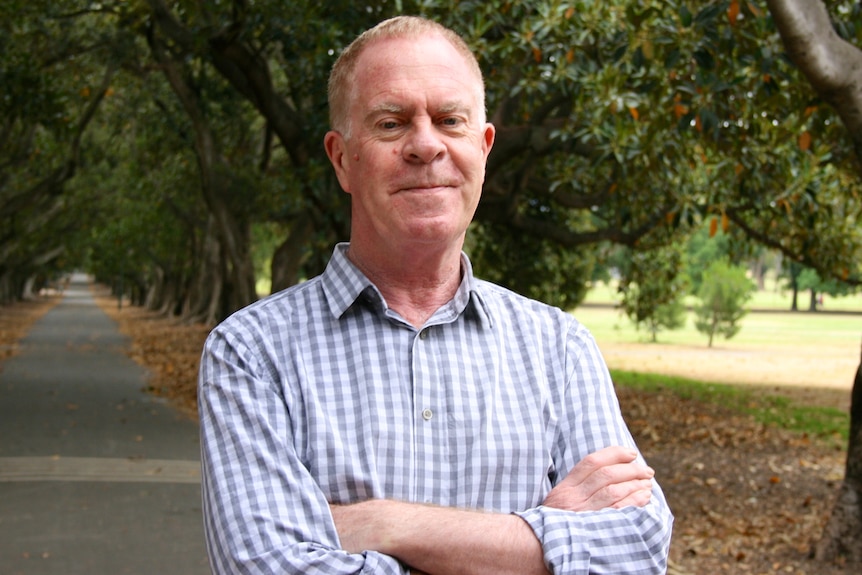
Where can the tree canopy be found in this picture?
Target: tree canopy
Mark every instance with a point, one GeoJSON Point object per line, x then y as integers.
{"type": "Point", "coordinates": [150, 139]}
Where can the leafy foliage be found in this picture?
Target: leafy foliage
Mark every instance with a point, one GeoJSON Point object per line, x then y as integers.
{"type": "Point", "coordinates": [653, 290]}
{"type": "Point", "coordinates": [723, 294]}
{"type": "Point", "coordinates": [621, 122]}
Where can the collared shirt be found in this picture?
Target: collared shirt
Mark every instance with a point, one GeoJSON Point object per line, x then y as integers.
{"type": "Point", "coordinates": [322, 394]}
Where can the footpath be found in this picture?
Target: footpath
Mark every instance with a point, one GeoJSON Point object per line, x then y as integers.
{"type": "Point", "coordinates": [96, 476]}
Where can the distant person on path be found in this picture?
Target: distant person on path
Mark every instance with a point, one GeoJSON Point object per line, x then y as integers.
{"type": "Point", "coordinates": [397, 414]}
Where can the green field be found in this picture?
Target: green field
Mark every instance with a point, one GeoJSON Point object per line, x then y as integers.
{"type": "Point", "coordinates": [771, 298]}
{"type": "Point", "coordinates": [769, 321]}
{"type": "Point", "coordinates": [772, 328]}
{"type": "Point", "coordinates": [772, 336]}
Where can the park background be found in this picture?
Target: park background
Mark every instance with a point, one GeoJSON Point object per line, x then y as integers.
{"type": "Point", "coordinates": [173, 150]}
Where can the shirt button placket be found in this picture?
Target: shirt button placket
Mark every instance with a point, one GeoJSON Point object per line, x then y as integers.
{"type": "Point", "coordinates": [427, 414]}
{"type": "Point", "coordinates": [427, 447]}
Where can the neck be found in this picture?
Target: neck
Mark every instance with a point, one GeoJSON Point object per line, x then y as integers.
{"type": "Point", "coordinates": [414, 284]}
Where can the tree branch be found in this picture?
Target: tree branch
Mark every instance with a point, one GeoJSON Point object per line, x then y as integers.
{"type": "Point", "coordinates": [832, 65]}
{"type": "Point", "coordinates": [775, 243]}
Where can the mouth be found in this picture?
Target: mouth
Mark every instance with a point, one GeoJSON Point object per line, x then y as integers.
{"type": "Point", "coordinates": [426, 188]}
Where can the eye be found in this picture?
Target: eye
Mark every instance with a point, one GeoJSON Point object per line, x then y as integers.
{"type": "Point", "coordinates": [389, 124]}
{"type": "Point", "coordinates": [451, 121]}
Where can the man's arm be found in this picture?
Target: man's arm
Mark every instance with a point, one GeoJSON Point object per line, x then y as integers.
{"type": "Point", "coordinates": [440, 541]}
{"type": "Point", "coordinates": [263, 512]}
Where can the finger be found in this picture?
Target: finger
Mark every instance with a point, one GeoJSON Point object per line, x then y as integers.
{"type": "Point", "coordinates": [639, 498]}
{"type": "Point", "coordinates": [615, 476]}
{"type": "Point", "coordinates": [620, 494]}
{"type": "Point", "coordinates": [614, 455]}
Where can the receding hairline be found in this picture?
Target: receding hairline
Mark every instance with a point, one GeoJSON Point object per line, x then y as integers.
{"type": "Point", "coordinates": [344, 68]}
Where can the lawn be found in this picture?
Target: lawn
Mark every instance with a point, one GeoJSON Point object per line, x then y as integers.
{"type": "Point", "coordinates": [773, 297]}
{"type": "Point", "coordinates": [814, 355]}
{"type": "Point", "coordinates": [778, 326]}
{"type": "Point", "coordinates": [758, 327]}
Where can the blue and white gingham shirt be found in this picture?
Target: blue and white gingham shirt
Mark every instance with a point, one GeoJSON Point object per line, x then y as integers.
{"type": "Point", "coordinates": [321, 394]}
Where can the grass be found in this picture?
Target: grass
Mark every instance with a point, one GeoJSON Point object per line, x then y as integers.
{"type": "Point", "coordinates": [825, 423]}
{"type": "Point", "coordinates": [773, 297]}
{"type": "Point", "coordinates": [771, 328]}
{"type": "Point", "coordinates": [768, 325]}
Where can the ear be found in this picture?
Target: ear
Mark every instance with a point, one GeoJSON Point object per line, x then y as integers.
{"type": "Point", "coordinates": [336, 151]}
{"type": "Point", "coordinates": [488, 134]}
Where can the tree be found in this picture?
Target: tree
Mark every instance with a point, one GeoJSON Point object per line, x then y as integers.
{"type": "Point", "coordinates": [820, 47]}
{"type": "Point", "coordinates": [653, 290]}
{"type": "Point", "coordinates": [722, 295]}
{"type": "Point", "coordinates": [704, 246]}
{"type": "Point", "coordinates": [622, 122]}
{"type": "Point", "coordinates": [844, 530]}
{"type": "Point", "coordinates": [42, 129]}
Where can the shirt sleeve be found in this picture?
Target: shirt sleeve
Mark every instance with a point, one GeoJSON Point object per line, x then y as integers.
{"type": "Point", "coordinates": [263, 512]}
{"type": "Point", "coordinates": [633, 540]}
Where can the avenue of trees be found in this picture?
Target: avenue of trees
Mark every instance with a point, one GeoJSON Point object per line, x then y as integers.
{"type": "Point", "coordinates": [178, 145]}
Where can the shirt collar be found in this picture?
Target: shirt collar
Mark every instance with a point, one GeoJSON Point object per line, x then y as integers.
{"type": "Point", "coordinates": [343, 284]}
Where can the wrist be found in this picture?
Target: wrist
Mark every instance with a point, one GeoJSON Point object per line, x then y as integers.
{"type": "Point", "coordinates": [366, 526]}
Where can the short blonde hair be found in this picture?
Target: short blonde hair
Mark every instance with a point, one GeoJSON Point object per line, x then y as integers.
{"type": "Point", "coordinates": [342, 74]}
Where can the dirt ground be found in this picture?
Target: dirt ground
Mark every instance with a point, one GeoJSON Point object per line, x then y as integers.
{"type": "Point", "coordinates": [818, 373]}
{"type": "Point", "coordinates": [748, 499]}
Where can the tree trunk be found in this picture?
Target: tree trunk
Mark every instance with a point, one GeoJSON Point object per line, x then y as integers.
{"type": "Point", "coordinates": [204, 300]}
{"type": "Point", "coordinates": [842, 537]}
{"type": "Point", "coordinates": [288, 257]}
{"type": "Point", "coordinates": [216, 184]}
{"type": "Point", "coordinates": [794, 303]}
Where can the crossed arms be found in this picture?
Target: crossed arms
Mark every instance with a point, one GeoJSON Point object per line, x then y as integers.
{"type": "Point", "coordinates": [442, 541]}
{"type": "Point", "coordinates": [333, 477]}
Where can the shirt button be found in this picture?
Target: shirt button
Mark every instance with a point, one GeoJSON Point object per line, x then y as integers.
{"type": "Point", "coordinates": [427, 414]}
{"type": "Point", "coordinates": [423, 334]}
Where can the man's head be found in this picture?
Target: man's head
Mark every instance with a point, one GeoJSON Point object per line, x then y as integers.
{"type": "Point", "coordinates": [409, 141]}
{"type": "Point", "coordinates": [341, 78]}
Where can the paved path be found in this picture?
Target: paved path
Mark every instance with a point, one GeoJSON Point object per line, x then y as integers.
{"type": "Point", "coordinates": [96, 476]}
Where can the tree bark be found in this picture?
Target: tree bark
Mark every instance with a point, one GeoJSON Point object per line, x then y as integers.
{"type": "Point", "coordinates": [842, 537]}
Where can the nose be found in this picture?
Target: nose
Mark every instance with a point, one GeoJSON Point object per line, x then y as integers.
{"type": "Point", "coordinates": [424, 143]}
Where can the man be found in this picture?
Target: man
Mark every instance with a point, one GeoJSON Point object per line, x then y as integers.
{"type": "Point", "coordinates": [396, 414]}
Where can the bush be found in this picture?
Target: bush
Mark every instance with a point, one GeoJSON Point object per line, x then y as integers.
{"type": "Point", "coordinates": [723, 293]}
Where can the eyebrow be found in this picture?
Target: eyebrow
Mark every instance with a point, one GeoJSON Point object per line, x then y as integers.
{"type": "Point", "coordinates": [397, 109]}
{"type": "Point", "coordinates": [384, 109]}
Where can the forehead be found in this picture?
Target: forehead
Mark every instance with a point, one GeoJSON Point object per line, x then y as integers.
{"type": "Point", "coordinates": [397, 69]}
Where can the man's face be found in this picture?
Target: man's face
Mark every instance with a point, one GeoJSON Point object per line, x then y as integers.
{"type": "Point", "coordinates": [414, 161]}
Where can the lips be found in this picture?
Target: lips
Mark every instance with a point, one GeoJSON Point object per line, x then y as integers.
{"type": "Point", "coordinates": [426, 186]}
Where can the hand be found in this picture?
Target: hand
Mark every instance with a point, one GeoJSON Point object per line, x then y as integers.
{"type": "Point", "coordinates": [609, 478]}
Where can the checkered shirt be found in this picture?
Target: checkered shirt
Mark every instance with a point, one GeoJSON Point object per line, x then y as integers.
{"type": "Point", "coordinates": [322, 394]}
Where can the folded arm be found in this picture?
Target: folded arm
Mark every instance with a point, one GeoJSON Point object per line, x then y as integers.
{"type": "Point", "coordinates": [441, 541]}
{"type": "Point", "coordinates": [263, 512]}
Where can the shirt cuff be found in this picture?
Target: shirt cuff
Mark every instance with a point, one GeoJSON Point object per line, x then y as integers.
{"type": "Point", "coordinates": [610, 541]}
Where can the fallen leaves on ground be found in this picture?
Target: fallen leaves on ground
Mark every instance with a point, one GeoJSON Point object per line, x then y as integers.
{"type": "Point", "coordinates": [17, 318]}
{"type": "Point", "coordinates": [748, 499]}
